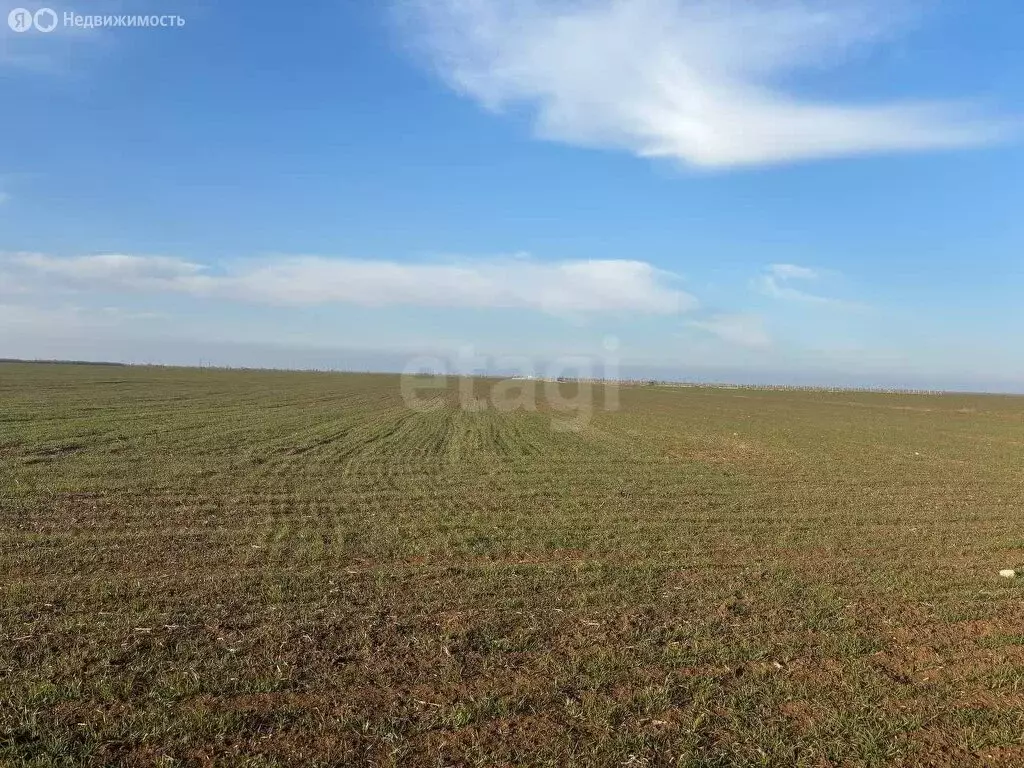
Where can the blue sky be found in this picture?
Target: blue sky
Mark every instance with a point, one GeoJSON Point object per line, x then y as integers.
{"type": "Point", "coordinates": [783, 191]}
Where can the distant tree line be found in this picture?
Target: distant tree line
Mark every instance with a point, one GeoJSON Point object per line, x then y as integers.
{"type": "Point", "coordinates": [58, 362]}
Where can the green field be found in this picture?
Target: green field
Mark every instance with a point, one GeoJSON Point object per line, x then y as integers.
{"type": "Point", "coordinates": [206, 567]}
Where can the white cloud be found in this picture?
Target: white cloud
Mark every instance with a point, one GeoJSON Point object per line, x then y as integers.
{"type": "Point", "coordinates": [787, 271]}
{"type": "Point", "coordinates": [15, 319]}
{"type": "Point", "coordinates": [777, 282]}
{"type": "Point", "coordinates": [564, 287]}
{"type": "Point", "coordinates": [692, 80]}
{"type": "Point", "coordinates": [114, 268]}
{"type": "Point", "coordinates": [741, 330]}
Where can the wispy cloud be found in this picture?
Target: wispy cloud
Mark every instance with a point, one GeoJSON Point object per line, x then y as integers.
{"type": "Point", "coordinates": [778, 282]}
{"type": "Point", "coordinates": [690, 80]}
{"type": "Point", "coordinates": [62, 51]}
{"type": "Point", "coordinates": [742, 330]}
{"type": "Point", "coordinates": [61, 318]}
{"type": "Point", "coordinates": [792, 271]}
{"type": "Point", "coordinates": [5, 184]}
{"type": "Point", "coordinates": [519, 282]}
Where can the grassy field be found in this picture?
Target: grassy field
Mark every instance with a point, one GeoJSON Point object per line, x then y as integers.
{"type": "Point", "coordinates": [207, 567]}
